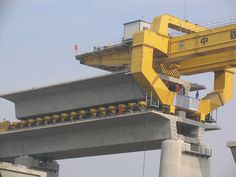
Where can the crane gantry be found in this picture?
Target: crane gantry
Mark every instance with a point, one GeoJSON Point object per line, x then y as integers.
{"type": "Point", "coordinates": [153, 52]}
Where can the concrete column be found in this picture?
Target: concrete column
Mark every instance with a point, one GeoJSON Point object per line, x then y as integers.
{"type": "Point", "coordinates": [232, 146]}
{"type": "Point", "coordinates": [179, 159]}
{"type": "Point", "coordinates": [51, 167]}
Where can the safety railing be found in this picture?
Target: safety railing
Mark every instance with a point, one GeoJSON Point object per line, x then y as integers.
{"type": "Point", "coordinates": [82, 49]}
{"type": "Point", "coordinates": [79, 50]}
{"type": "Point", "coordinates": [209, 25]}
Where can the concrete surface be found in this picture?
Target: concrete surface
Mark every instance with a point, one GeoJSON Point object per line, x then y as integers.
{"type": "Point", "coordinates": [179, 159]}
{"type": "Point", "coordinates": [108, 89]}
{"type": "Point", "coordinates": [46, 165]}
{"type": "Point", "coordinates": [92, 92]}
{"type": "Point", "coordinates": [232, 146]}
{"type": "Point", "coordinates": [118, 134]}
{"type": "Point", "coordinates": [10, 170]}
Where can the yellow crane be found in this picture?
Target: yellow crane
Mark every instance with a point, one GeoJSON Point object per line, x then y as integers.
{"type": "Point", "coordinates": [152, 53]}
{"type": "Point", "coordinates": [156, 60]}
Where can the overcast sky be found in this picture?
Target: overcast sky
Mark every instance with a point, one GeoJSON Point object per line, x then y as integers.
{"type": "Point", "coordinates": [37, 40]}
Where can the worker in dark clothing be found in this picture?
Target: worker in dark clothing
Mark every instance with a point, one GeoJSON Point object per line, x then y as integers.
{"type": "Point", "coordinates": [197, 94]}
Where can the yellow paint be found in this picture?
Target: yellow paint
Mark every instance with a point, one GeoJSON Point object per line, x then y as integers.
{"type": "Point", "coordinates": [4, 126]}
{"type": "Point", "coordinates": [142, 66]}
{"type": "Point", "coordinates": [161, 25]}
{"type": "Point", "coordinates": [199, 50]}
{"type": "Point", "coordinates": [223, 92]}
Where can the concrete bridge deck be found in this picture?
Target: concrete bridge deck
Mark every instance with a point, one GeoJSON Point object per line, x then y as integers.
{"type": "Point", "coordinates": [117, 134]}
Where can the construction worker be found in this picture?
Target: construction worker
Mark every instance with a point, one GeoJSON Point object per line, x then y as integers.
{"type": "Point", "coordinates": [177, 88]}
{"type": "Point", "coordinates": [197, 94]}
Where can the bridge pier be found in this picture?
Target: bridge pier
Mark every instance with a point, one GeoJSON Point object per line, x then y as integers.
{"type": "Point", "coordinates": [232, 146]}
{"type": "Point", "coordinates": [180, 159]}
{"type": "Point", "coordinates": [51, 167]}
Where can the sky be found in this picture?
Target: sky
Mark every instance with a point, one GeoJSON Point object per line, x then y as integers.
{"type": "Point", "coordinates": [37, 39]}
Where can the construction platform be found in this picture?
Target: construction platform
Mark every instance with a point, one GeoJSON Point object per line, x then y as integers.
{"type": "Point", "coordinates": [116, 134]}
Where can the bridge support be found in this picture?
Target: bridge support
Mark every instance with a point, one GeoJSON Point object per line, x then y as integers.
{"type": "Point", "coordinates": [49, 166]}
{"type": "Point", "coordinates": [180, 159]}
{"type": "Point", "coordinates": [232, 146]}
